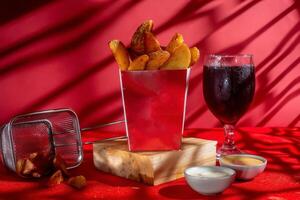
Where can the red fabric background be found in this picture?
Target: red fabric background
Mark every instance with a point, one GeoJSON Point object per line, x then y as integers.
{"type": "Point", "coordinates": [54, 54]}
{"type": "Point", "coordinates": [280, 180]}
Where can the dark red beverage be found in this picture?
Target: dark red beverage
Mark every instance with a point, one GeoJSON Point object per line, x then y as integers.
{"type": "Point", "coordinates": [228, 90]}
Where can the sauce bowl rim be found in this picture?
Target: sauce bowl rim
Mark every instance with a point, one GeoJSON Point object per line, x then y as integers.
{"type": "Point", "coordinates": [264, 161]}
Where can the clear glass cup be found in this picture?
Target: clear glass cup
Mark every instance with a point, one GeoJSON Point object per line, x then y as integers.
{"type": "Point", "coordinates": [228, 88]}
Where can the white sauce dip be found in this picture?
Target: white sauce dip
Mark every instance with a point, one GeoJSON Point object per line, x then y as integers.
{"type": "Point", "coordinates": [211, 174]}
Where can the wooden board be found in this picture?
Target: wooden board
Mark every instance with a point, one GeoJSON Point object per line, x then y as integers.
{"type": "Point", "coordinates": [152, 167]}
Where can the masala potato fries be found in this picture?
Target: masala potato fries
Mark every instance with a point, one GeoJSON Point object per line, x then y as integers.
{"type": "Point", "coordinates": [146, 53]}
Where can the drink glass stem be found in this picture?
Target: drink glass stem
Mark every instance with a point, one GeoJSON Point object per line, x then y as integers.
{"type": "Point", "coordinates": [228, 146]}
{"type": "Point", "coordinates": [229, 137]}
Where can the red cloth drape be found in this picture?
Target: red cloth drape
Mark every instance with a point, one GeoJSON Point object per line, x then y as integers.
{"type": "Point", "coordinates": [281, 179]}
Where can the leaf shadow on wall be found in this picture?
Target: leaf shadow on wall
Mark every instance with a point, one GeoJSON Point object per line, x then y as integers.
{"type": "Point", "coordinates": [190, 12]}
{"type": "Point", "coordinates": [15, 8]}
{"type": "Point", "coordinates": [62, 48]}
{"type": "Point", "coordinates": [69, 25]}
{"type": "Point", "coordinates": [96, 105]}
{"type": "Point", "coordinates": [262, 78]}
{"type": "Point", "coordinates": [61, 26]}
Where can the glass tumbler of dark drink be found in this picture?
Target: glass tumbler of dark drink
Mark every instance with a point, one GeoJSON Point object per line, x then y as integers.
{"type": "Point", "coordinates": [228, 88]}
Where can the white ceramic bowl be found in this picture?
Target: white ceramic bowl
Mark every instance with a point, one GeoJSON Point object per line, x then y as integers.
{"type": "Point", "coordinates": [245, 172]}
{"type": "Point", "coordinates": [209, 180]}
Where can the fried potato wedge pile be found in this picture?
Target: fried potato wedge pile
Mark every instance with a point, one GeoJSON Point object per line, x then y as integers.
{"type": "Point", "coordinates": [146, 53]}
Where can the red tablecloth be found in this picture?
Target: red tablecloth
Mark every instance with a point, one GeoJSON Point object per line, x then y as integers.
{"type": "Point", "coordinates": [281, 179]}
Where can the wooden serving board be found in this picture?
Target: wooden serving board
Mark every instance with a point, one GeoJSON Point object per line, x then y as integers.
{"type": "Point", "coordinates": [152, 167]}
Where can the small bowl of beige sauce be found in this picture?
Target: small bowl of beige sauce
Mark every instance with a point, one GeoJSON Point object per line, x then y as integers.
{"type": "Point", "coordinates": [247, 166]}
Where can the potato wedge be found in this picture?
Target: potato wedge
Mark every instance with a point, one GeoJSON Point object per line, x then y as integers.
{"type": "Point", "coordinates": [60, 164]}
{"type": "Point", "coordinates": [78, 182]}
{"type": "Point", "coordinates": [29, 167]}
{"type": "Point", "coordinates": [20, 166]}
{"type": "Point", "coordinates": [195, 54]}
{"type": "Point", "coordinates": [157, 59]}
{"type": "Point", "coordinates": [139, 63]}
{"type": "Point", "coordinates": [56, 178]}
{"type": "Point", "coordinates": [132, 54]}
{"type": "Point", "coordinates": [137, 40]}
{"type": "Point", "coordinates": [120, 53]}
{"type": "Point", "coordinates": [151, 43]}
{"type": "Point", "coordinates": [180, 59]}
{"type": "Point", "coordinates": [175, 42]}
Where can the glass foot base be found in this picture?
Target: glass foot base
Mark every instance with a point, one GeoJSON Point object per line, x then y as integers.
{"type": "Point", "coordinates": [227, 151]}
